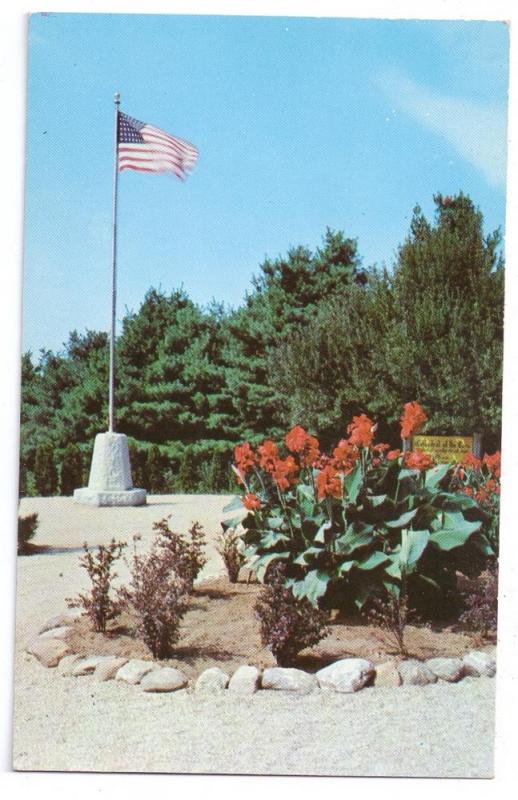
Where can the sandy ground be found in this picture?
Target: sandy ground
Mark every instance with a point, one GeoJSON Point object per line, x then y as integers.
{"type": "Point", "coordinates": [76, 724]}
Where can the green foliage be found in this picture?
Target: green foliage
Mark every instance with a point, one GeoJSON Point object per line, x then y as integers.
{"type": "Point", "coordinates": [155, 471]}
{"type": "Point", "coordinates": [71, 469]}
{"type": "Point", "coordinates": [45, 472]}
{"type": "Point", "coordinates": [98, 604]}
{"type": "Point", "coordinates": [27, 527]}
{"type": "Point", "coordinates": [349, 533]}
{"type": "Point", "coordinates": [188, 474]}
{"type": "Point", "coordinates": [430, 329]}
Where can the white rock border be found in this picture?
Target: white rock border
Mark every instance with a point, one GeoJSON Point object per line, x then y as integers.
{"type": "Point", "coordinates": [346, 675]}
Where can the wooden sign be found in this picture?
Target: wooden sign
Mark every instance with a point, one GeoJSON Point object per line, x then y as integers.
{"type": "Point", "coordinates": [444, 449]}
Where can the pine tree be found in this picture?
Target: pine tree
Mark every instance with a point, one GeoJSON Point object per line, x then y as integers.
{"type": "Point", "coordinates": [71, 469]}
{"type": "Point", "coordinates": [45, 472]}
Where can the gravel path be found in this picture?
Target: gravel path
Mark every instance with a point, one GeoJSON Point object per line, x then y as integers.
{"type": "Point", "coordinates": [76, 724]}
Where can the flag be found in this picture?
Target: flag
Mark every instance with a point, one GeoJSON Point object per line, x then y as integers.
{"type": "Point", "coordinates": [148, 149]}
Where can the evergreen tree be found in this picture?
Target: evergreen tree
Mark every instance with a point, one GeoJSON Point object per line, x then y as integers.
{"type": "Point", "coordinates": [45, 472]}
{"type": "Point", "coordinates": [71, 469]}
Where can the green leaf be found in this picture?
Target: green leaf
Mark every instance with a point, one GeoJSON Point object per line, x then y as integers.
{"type": "Point", "coordinates": [315, 585]}
{"type": "Point", "coordinates": [377, 499]}
{"type": "Point", "coordinates": [263, 562]}
{"type": "Point", "coordinates": [449, 538]}
{"type": "Point", "coordinates": [362, 595]}
{"type": "Point", "coordinates": [403, 520]}
{"type": "Point", "coordinates": [346, 566]}
{"type": "Point", "coordinates": [394, 568]}
{"type": "Point", "coordinates": [320, 534]}
{"type": "Point", "coordinates": [407, 473]}
{"type": "Point", "coordinates": [275, 522]}
{"type": "Point", "coordinates": [354, 537]}
{"type": "Point", "coordinates": [373, 560]}
{"type": "Point", "coordinates": [234, 504]}
{"type": "Point", "coordinates": [435, 475]}
{"type": "Point", "coordinates": [482, 544]}
{"type": "Point", "coordinates": [306, 498]}
{"type": "Point", "coordinates": [234, 522]}
{"type": "Point", "coordinates": [302, 558]}
{"type": "Point", "coordinates": [413, 544]}
{"type": "Point", "coordinates": [271, 538]}
{"type": "Point", "coordinates": [353, 483]}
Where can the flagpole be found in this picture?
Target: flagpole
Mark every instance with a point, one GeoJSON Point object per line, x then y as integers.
{"type": "Point", "coordinates": [111, 402]}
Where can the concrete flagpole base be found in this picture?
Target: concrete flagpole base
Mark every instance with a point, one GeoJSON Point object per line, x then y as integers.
{"type": "Point", "coordinates": [110, 482]}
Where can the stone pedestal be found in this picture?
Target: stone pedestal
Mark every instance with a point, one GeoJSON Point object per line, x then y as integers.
{"type": "Point", "coordinates": [110, 481]}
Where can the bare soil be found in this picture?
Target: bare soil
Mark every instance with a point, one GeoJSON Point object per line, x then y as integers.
{"type": "Point", "coordinates": [220, 629]}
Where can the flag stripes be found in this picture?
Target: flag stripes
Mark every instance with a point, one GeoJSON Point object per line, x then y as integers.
{"type": "Point", "coordinates": [145, 148]}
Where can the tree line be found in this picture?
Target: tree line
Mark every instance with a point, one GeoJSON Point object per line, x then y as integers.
{"type": "Point", "coordinates": [318, 339]}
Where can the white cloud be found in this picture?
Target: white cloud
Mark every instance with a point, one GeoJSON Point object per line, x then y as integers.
{"type": "Point", "coordinates": [477, 131]}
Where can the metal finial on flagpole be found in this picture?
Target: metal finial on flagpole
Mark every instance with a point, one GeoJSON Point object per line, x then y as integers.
{"type": "Point", "coordinates": [111, 400]}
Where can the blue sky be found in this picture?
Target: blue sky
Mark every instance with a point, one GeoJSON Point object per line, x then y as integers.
{"type": "Point", "coordinates": [300, 123]}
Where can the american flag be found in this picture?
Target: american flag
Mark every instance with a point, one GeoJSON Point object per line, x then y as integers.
{"type": "Point", "coordinates": [148, 149]}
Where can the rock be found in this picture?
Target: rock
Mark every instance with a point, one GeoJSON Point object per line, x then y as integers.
{"type": "Point", "coordinates": [56, 633]}
{"type": "Point", "coordinates": [415, 673]}
{"type": "Point", "coordinates": [106, 670]}
{"type": "Point", "coordinates": [245, 680]}
{"type": "Point", "coordinates": [133, 671]}
{"type": "Point", "coordinates": [165, 679]}
{"type": "Point", "coordinates": [288, 679]}
{"type": "Point", "coordinates": [446, 669]}
{"type": "Point", "coordinates": [387, 675]}
{"type": "Point", "coordinates": [86, 666]}
{"type": "Point", "coordinates": [66, 665]}
{"type": "Point", "coordinates": [49, 652]}
{"type": "Point", "coordinates": [67, 617]}
{"type": "Point", "coordinates": [477, 663]}
{"type": "Point", "coordinates": [211, 681]}
{"type": "Point", "coordinates": [347, 675]}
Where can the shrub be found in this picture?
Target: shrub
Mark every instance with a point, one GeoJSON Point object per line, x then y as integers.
{"type": "Point", "coordinates": [479, 478]}
{"type": "Point", "coordinates": [287, 625]}
{"type": "Point", "coordinates": [45, 473]}
{"type": "Point", "coordinates": [71, 469]}
{"type": "Point", "coordinates": [155, 471]}
{"type": "Point", "coordinates": [187, 553]}
{"type": "Point", "coordinates": [27, 527]}
{"type": "Point", "coordinates": [391, 613]}
{"type": "Point", "coordinates": [188, 475]}
{"type": "Point", "coordinates": [98, 604]}
{"type": "Point", "coordinates": [229, 546]}
{"type": "Point", "coordinates": [481, 603]}
{"type": "Point", "coordinates": [351, 524]}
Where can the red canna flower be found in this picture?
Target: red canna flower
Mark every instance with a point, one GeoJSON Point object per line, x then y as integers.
{"type": "Point", "coordinates": [416, 459]}
{"type": "Point", "coordinates": [268, 454]}
{"type": "Point", "coordinates": [493, 463]}
{"type": "Point", "coordinates": [412, 419]}
{"type": "Point", "coordinates": [284, 472]}
{"type": "Point", "coordinates": [393, 454]}
{"type": "Point", "coordinates": [361, 431]}
{"type": "Point", "coordinates": [251, 501]}
{"type": "Point", "coordinates": [328, 483]}
{"type": "Point", "coordinates": [245, 457]}
{"type": "Point", "coordinates": [344, 456]}
{"type": "Point", "coordinates": [301, 442]}
{"type": "Point", "coordinates": [471, 461]}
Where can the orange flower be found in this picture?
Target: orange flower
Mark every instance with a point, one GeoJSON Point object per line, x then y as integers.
{"type": "Point", "coordinates": [245, 457]}
{"type": "Point", "coordinates": [301, 442]}
{"type": "Point", "coordinates": [393, 454]}
{"type": "Point", "coordinates": [328, 483]}
{"type": "Point", "coordinates": [268, 454]}
{"type": "Point", "coordinates": [471, 461]}
{"type": "Point", "coordinates": [361, 431]}
{"type": "Point", "coordinates": [284, 472]}
{"type": "Point", "coordinates": [493, 463]}
{"type": "Point", "coordinates": [344, 456]}
{"type": "Point", "coordinates": [416, 459]}
{"type": "Point", "coordinates": [412, 419]}
{"type": "Point", "coordinates": [251, 501]}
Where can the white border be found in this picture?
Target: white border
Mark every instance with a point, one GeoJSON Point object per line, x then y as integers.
{"type": "Point", "coordinates": [12, 82]}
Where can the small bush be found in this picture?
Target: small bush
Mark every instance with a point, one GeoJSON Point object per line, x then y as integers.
{"type": "Point", "coordinates": [98, 604]}
{"type": "Point", "coordinates": [158, 596]}
{"type": "Point", "coordinates": [481, 603]}
{"type": "Point", "coordinates": [27, 527]}
{"type": "Point", "coordinates": [229, 547]}
{"type": "Point", "coordinates": [187, 553]}
{"type": "Point", "coordinates": [288, 625]}
{"type": "Point", "coordinates": [45, 472]}
{"type": "Point", "coordinates": [391, 613]}
{"type": "Point", "coordinates": [71, 469]}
